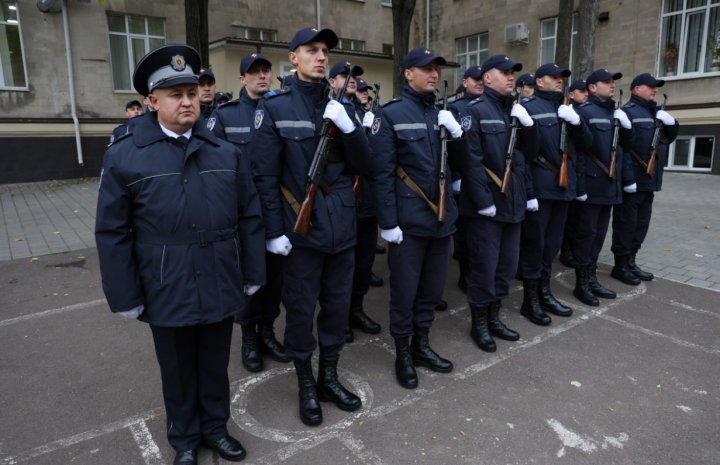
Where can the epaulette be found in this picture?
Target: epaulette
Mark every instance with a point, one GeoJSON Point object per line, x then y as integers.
{"type": "Point", "coordinates": [276, 92]}
{"type": "Point", "coordinates": [476, 100]}
{"type": "Point", "coordinates": [629, 105]}
{"type": "Point", "coordinates": [390, 102]}
{"type": "Point", "coordinates": [229, 103]}
{"type": "Point", "coordinates": [115, 141]}
{"type": "Point", "coordinates": [583, 105]}
{"type": "Point", "coordinates": [346, 101]}
{"type": "Point", "coordinates": [527, 99]}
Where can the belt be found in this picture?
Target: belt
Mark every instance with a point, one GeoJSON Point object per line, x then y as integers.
{"type": "Point", "coordinates": [200, 237]}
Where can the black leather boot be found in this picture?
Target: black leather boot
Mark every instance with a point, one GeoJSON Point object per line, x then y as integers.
{"type": "Point", "coordinates": [643, 275]}
{"type": "Point", "coordinates": [548, 302]}
{"type": "Point", "coordinates": [376, 281]}
{"type": "Point", "coordinates": [479, 330]}
{"type": "Point", "coordinates": [441, 306]}
{"type": "Point", "coordinates": [497, 327]}
{"type": "Point", "coordinates": [464, 273]}
{"type": "Point", "coordinates": [270, 346]}
{"type": "Point", "coordinates": [598, 289]}
{"type": "Point", "coordinates": [360, 320]}
{"type": "Point", "coordinates": [424, 356]}
{"type": "Point", "coordinates": [329, 388]}
{"type": "Point", "coordinates": [531, 305]}
{"type": "Point", "coordinates": [404, 368]}
{"type": "Point", "coordinates": [349, 335]}
{"type": "Point", "coordinates": [622, 272]}
{"type": "Point", "coordinates": [566, 255]}
{"type": "Point", "coordinates": [310, 410]}
{"type": "Point", "coordinates": [582, 288]}
{"type": "Point", "coordinates": [250, 348]}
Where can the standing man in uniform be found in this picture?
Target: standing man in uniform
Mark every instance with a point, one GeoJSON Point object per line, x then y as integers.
{"type": "Point", "coordinates": [406, 142]}
{"type": "Point", "coordinates": [603, 187]}
{"type": "Point", "coordinates": [494, 217]}
{"type": "Point", "coordinates": [132, 109]}
{"type": "Point", "coordinates": [207, 92]}
{"type": "Point", "coordinates": [542, 230]}
{"type": "Point", "coordinates": [631, 219]}
{"type": "Point", "coordinates": [234, 122]}
{"type": "Point", "coordinates": [179, 236]}
{"type": "Point", "coordinates": [363, 94]}
{"type": "Point", "coordinates": [320, 266]}
{"type": "Point", "coordinates": [525, 86]}
{"type": "Point", "coordinates": [366, 218]}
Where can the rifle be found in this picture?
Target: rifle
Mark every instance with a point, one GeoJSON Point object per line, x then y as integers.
{"type": "Point", "coordinates": [654, 145]}
{"type": "Point", "coordinates": [563, 171]}
{"type": "Point", "coordinates": [613, 148]}
{"type": "Point", "coordinates": [317, 167]}
{"type": "Point", "coordinates": [507, 175]}
{"type": "Point", "coordinates": [442, 184]}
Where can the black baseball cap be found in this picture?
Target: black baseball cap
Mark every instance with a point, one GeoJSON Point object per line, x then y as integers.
{"type": "Point", "coordinates": [646, 79]}
{"type": "Point", "coordinates": [133, 103]}
{"type": "Point", "coordinates": [551, 69]}
{"type": "Point", "coordinates": [362, 84]}
{"type": "Point", "coordinates": [474, 72]}
{"type": "Point", "coordinates": [206, 73]}
{"type": "Point", "coordinates": [341, 67]}
{"type": "Point", "coordinates": [501, 62]}
{"type": "Point", "coordinates": [420, 57]}
{"type": "Point", "coordinates": [578, 84]}
{"type": "Point", "coordinates": [526, 80]}
{"type": "Point", "coordinates": [311, 34]}
{"type": "Point", "coordinates": [248, 60]}
{"type": "Point", "coordinates": [602, 75]}
{"type": "Point", "coordinates": [165, 67]}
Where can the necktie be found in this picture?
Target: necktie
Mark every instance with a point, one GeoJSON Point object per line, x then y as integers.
{"type": "Point", "coordinates": [182, 141]}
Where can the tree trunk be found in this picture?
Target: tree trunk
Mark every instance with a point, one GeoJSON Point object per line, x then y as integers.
{"type": "Point", "coordinates": [196, 28]}
{"type": "Point", "coordinates": [585, 51]}
{"type": "Point", "coordinates": [564, 33]}
{"type": "Point", "coordinates": [402, 18]}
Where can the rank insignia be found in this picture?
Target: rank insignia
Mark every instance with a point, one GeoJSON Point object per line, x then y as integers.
{"type": "Point", "coordinates": [211, 123]}
{"type": "Point", "coordinates": [466, 122]}
{"type": "Point", "coordinates": [259, 115]}
{"type": "Point", "coordinates": [178, 63]}
{"type": "Point", "coordinates": [375, 126]}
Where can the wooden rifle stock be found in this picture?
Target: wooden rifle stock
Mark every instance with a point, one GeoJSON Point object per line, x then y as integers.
{"type": "Point", "coordinates": [317, 167]}
{"type": "Point", "coordinates": [612, 169]}
{"type": "Point", "coordinates": [563, 180]}
{"type": "Point", "coordinates": [442, 182]}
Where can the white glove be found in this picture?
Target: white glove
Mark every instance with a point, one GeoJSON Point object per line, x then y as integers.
{"type": "Point", "coordinates": [368, 119]}
{"type": "Point", "coordinates": [568, 113]}
{"type": "Point", "coordinates": [445, 118]}
{"type": "Point", "coordinates": [456, 185]}
{"type": "Point", "coordinates": [335, 112]}
{"type": "Point", "coordinates": [250, 289]}
{"type": "Point", "coordinates": [279, 245]}
{"type": "Point", "coordinates": [622, 117]}
{"type": "Point", "coordinates": [665, 117]}
{"type": "Point", "coordinates": [133, 312]}
{"type": "Point", "coordinates": [582, 198]}
{"type": "Point", "coordinates": [518, 111]}
{"type": "Point", "coordinates": [631, 189]}
{"type": "Point", "coordinates": [489, 211]}
{"type": "Point", "coordinates": [532, 205]}
{"type": "Point", "coordinates": [393, 235]}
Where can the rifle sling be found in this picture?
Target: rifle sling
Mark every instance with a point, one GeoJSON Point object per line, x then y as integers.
{"type": "Point", "coordinates": [493, 176]}
{"type": "Point", "coordinates": [415, 188]}
{"type": "Point", "coordinates": [290, 199]}
{"type": "Point", "coordinates": [599, 164]}
{"type": "Point", "coordinates": [544, 161]}
{"type": "Point", "coordinates": [639, 160]}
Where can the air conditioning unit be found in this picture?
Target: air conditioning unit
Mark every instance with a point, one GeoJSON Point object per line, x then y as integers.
{"type": "Point", "coordinates": [516, 34]}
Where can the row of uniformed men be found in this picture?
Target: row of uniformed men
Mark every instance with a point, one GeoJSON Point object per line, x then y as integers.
{"type": "Point", "coordinates": [181, 220]}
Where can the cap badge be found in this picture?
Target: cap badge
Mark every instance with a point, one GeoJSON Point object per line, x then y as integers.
{"type": "Point", "coordinates": [178, 63]}
{"type": "Point", "coordinates": [313, 29]}
{"type": "Point", "coordinates": [427, 52]}
{"type": "Point", "coordinates": [254, 55]}
{"type": "Point", "coordinates": [507, 59]}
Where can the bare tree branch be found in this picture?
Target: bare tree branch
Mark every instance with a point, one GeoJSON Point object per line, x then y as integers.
{"type": "Point", "coordinates": [402, 18]}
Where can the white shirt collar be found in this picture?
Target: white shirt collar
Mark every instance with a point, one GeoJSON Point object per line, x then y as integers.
{"type": "Point", "coordinates": [169, 133]}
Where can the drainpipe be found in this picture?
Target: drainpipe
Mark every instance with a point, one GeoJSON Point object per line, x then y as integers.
{"type": "Point", "coordinates": [427, 23]}
{"type": "Point", "coordinates": [317, 11]}
{"type": "Point", "coordinates": [71, 84]}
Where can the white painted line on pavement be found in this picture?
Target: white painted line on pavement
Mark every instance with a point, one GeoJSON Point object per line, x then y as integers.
{"type": "Point", "coordinates": [148, 447]}
{"type": "Point", "coordinates": [365, 455]}
{"type": "Point", "coordinates": [51, 312]}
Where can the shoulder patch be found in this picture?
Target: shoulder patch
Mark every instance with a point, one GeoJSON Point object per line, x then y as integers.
{"type": "Point", "coordinates": [466, 122]}
{"type": "Point", "coordinates": [115, 140]}
{"type": "Point", "coordinates": [259, 115]}
{"type": "Point", "coordinates": [276, 92]}
{"type": "Point", "coordinates": [395, 100]}
{"type": "Point", "coordinates": [375, 126]}
{"type": "Point", "coordinates": [211, 122]}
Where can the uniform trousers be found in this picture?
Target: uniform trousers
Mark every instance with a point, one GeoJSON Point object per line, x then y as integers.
{"type": "Point", "coordinates": [631, 221]}
{"type": "Point", "coordinates": [569, 231]}
{"type": "Point", "coordinates": [542, 233]}
{"type": "Point", "coordinates": [591, 225]}
{"type": "Point", "coordinates": [418, 269]}
{"type": "Point", "coordinates": [264, 305]}
{"type": "Point", "coordinates": [460, 248]}
{"type": "Point", "coordinates": [364, 255]}
{"type": "Point", "coordinates": [311, 277]}
{"type": "Point", "coordinates": [193, 366]}
{"type": "Point", "coordinates": [494, 249]}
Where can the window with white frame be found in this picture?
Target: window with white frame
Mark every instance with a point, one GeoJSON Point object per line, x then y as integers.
{"type": "Point", "coordinates": [691, 153]}
{"type": "Point", "coordinates": [351, 44]}
{"type": "Point", "coordinates": [254, 33]}
{"type": "Point", "coordinates": [470, 51]}
{"type": "Point", "coordinates": [131, 37]}
{"type": "Point", "coordinates": [386, 2]}
{"type": "Point", "coordinates": [690, 41]}
{"type": "Point", "coordinates": [12, 58]}
{"type": "Point", "coordinates": [548, 40]}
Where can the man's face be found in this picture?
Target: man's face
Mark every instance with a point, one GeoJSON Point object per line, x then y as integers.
{"type": "Point", "coordinates": [362, 95]}
{"type": "Point", "coordinates": [311, 61]}
{"type": "Point", "coordinates": [133, 111]}
{"type": "Point", "coordinates": [550, 83]}
{"type": "Point", "coordinates": [526, 91]}
{"type": "Point", "coordinates": [177, 107]}
{"type": "Point", "coordinates": [500, 81]}
{"type": "Point", "coordinates": [257, 79]}
{"type": "Point", "coordinates": [604, 90]}
{"type": "Point", "coordinates": [474, 86]}
{"type": "Point", "coordinates": [207, 90]}
{"type": "Point", "coordinates": [338, 81]}
{"type": "Point", "coordinates": [579, 96]}
{"type": "Point", "coordinates": [645, 92]}
{"type": "Point", "coordinates": [423, 79]}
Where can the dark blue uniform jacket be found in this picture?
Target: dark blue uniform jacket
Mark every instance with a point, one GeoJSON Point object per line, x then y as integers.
{"type": "Point", "coordinates": [179, 231]}
{"type": "Point", "coordinates": [543, 107]}
{"type": "Point", "coordinates": [488, 126]}
{"type": "Point", "coordinates": [600, 189]}
{"type": "Point", "coordinates": [234, 120]}
{"type": "Point", "coordinates": [288, 124]}
{"type": "Point", "coordinates": [642, 115]}
{"type": "Point", "coordinates": [407, 135]}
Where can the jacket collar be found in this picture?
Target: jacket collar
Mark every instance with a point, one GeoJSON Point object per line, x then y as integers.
{"type": "Point", "coordinates": [318, 91]}
{"type": "Point", "coordinates": [504, 101]}
{"type": "Point", "coordinates": [551, 96]}
{"type": "Point", "coordinates": [245, 98]}
{"type": "Point", "coordinates": [147, 131]}
{"type": "Point", "coordinates": [650, 105]}
{"type": "Point", "coordinates": [609, 104]}
{"type": "Point", "coordinates": [423, 99]}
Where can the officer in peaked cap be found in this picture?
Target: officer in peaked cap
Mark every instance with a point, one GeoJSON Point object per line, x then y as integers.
{"type": "Point", "coordinates": [179, 236]}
